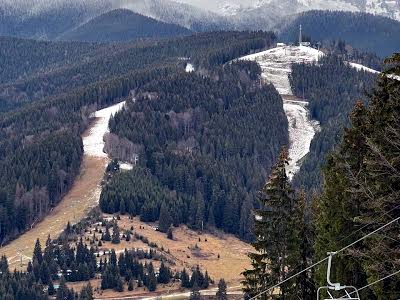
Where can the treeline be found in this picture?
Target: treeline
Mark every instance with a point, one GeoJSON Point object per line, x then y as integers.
{"type": "Point", "coordinates": [331, 87]}
{"type": "Point", "coordinates": [199, 138]}
{"type": "Point", "coordinates": [40, 146]}
{"type": "Point", "coordinates": [355, 214]}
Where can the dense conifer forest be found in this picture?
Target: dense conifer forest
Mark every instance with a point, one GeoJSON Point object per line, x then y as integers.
{"type": "Point", "coordinates": [332, 88]}
{"type": "Point", "coordinates": [200, 139]}
{"type": "Point", "coordinates": [40, 144]}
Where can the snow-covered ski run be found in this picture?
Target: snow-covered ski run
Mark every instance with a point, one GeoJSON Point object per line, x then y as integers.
{"type": "Point", "coordinates": [276, 67]}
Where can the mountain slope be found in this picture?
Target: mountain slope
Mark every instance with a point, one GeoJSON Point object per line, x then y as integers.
{"type": "Point", "coordinates": [123, 25]}
{"type": "Point", "coordinates": [364, 31]}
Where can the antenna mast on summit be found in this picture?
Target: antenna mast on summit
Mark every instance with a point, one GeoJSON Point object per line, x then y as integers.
{"type": "Point", "coordinates": [300, 37]}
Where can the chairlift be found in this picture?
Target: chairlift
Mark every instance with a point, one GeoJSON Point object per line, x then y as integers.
{"type": "Point", "coordinates": [332, 290]}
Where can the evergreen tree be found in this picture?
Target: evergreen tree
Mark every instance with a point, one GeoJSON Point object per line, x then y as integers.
{"type": "Point", "coordinates": [338, 206]}
{"type": "Point", "coordinates": [151, 280]}
{"type": "Point", "coordinates": [164, 274]}
{"type": "Point", "coordinates": [185, 280]}
{"type": "Point", "coordinates": [380, 183]}
{"type": "Point", "coordinates": [37, 253]}
{"type": "Point", "coordinates": [275, 235]}
{"type": "Point", "coordinates": [221, 293]}
{"type": "Point", "coordinates": [164, 218]}
{"type": "Point", "coordinates": [107, 236]}
{"type": "Point", "coordinates": [195, 293]}
{"type": "Point", "coordinates": [115, 235]}
{"type": "Point", "coordinates": [130, 285]}
{"type": "Point", "coordinates": [3, 264]}
{"type": "Point", "coordinates": [170, 234]}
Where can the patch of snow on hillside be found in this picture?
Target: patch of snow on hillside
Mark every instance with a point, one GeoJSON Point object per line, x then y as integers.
{"type": "Point", "coordinates": [189, 68]}
{"type": "Point", "coordinates": [93, 143]}
{"type": "Point", "coordinates": [276, 66]}
{"type": "Point", "coordinates": [363, 68]}
{"type": "Point", "coordinates": [125, 166]}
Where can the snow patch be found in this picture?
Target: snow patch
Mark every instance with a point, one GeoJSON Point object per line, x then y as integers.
{"type": "Point", "coordinates": [125, 166]}
{"type": "Point", "coordinates": [93, 143]}
{"type": "Point", "coordinates": [363, 68]}
{"type": "Point", "coordinates": [189, 68]}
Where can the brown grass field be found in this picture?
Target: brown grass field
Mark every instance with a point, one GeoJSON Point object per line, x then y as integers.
{"type": "Point", "coordinates": [183, 251]}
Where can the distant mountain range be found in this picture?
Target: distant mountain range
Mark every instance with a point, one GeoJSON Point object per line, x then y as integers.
{"type": "Point", "coordinates": [119, 20]}
{"type": "Point", "coordinates": [387, 8]}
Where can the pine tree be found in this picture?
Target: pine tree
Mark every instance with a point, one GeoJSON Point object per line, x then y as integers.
{"type": "Point", "coordinates": [274, 233]}
{"type": "Point", "coordinates": [170, 234]}
{"type": "Point", "coordinates": [221, 293]}
{"type": "Point", "coordinates": [381, 183]}
{"type": "Point", "coordinates": [151, 280]}
{"type": "Point", "coordinates": [185, 280]}
{"type": "Point", "coordinates": [246, 220]}
{"type": "Point", "coordinates": [130, 285]}
{"type": "Point", "coordinates": [37, 253]}
{"type": "Point", "coordinates": [195, 293]}
{"type": "Point", "coordinates": [107, 235]}
{"type": "Point", "coordinates": [115, 236]}
{"type": "Point", "coordinates": [164, 220]}
{"type": "Point", "coordinates": [3, 264]}
{"type": "Point", "coordinates": [339, 204]}
{"type": "Point", "coordinates": [164, 274]}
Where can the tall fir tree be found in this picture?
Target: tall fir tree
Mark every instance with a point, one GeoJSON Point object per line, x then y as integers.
{"type": "Point", "coordinates": [37, 253]}
{"type": "Point", "coordinates": [221, 293]}
{"type": "Point", "coordinates": [340, 203]}
{"type": "Point", "coordinates": [164, 220]}
{"type": "Point", "coordinates": [275, 236]}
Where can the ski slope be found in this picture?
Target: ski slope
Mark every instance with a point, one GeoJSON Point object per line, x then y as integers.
{"type": "Point", "coordinates": [93, 143]}
{"type": "Point", "coordinates": [276, 67]}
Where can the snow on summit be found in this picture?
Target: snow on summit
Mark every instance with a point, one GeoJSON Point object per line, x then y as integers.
{"type": "Point", "coordinates": [276, 66]}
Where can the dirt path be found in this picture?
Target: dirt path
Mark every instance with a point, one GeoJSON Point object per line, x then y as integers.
{"type": "Point", "coordinates": [83, 195]}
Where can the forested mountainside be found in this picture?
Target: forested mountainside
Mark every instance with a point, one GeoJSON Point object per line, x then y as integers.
{"type": "Point", "coordinates": [203, 50]}
{"type": "Point", "coordinates": [21, 58]}
{"type": "Point", "coordinates": [355, 216]}
{"type": "Point", "coordinates": [199, 139]}
{"type": "Point", "coordinates": [363, 31]}
{"type": "Point", "coordinates": [123, 25]}
{"type": "Point", "coordinates": [332, 88]}
{"type": "Point", "coordinates": [40, 144]}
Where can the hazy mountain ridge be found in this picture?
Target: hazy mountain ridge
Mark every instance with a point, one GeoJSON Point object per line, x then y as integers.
{"type": "Point", "coordinates": [123, 25]}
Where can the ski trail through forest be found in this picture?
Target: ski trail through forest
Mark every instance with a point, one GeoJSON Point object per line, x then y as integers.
{"type": "Point", "coordinates": [74, 206]}
{"type": "Point", "coordinates": [276, 67]}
